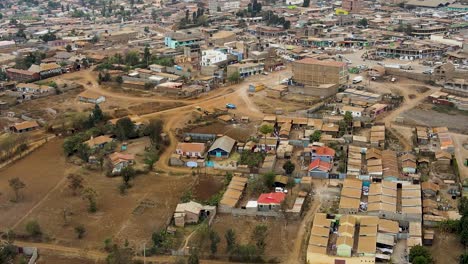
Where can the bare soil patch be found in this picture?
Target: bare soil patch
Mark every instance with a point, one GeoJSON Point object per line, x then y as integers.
{"type": "Point", "coordinates": [280, 238]}
{"type": "Point", "coordinates": [151, 107]}
{"type": "Point", "coordinates": [236, 131]}
{"type": "Point", "coordinates": [207, 186]}
{"type": "Point", "coordinates": [427, 115]}
{"type": "Point", "coordinates": [446, 248]}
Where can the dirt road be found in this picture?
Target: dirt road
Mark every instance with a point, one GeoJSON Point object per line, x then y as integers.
{"type": "Point", "coordinates": [298, 254]}
{"type": "Point", "coordinates": [408, 104]}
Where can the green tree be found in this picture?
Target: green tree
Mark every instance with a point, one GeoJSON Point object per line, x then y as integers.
{"type": "Point", "coordinates": [154, 130]}
{"type": "Point", "coordinates": [16, 184]}
{"type": "Point", "coordinates": [80, 230]}
{"type": "Point", "coordinates": [120, 255]}
{"type": "Point", "coordinates": [119, 79]}
{"type": "Point", "coordinates": [463, 258]}
{"type": "Point", "coordinates": [90, 195]}
{"type": "Point", "coordinates": [214, 239]}
{"type": "Point", "coordinates": [75, 183]}
{"type": "Point", "coordinates": [127, 173]}
{"type": "Point", "coordinates": [193, 257]}
{"type": "Point", "coordinates": [234, 77]}
{"type": "Point", "coordinates": [315, 137]}
{"type": "Point", "coordinates": [33, 228]}
{"type": "Point", "coordinates": [146, 55]}
{"type": "Point", "coordinates": [68, 48]}
{"type": "Point", "coordinates": [97, 114]}
{"type": "Point", "coordinates": [161, 241]}
{"type": "Point", "coordinates": [132, 58]}
{"type": "Point", "coordinates": [8, 251]}
{"type": "Point", "coordinates": [286, 24]}
{"type": "Point", "coordinates": [83, 151]}
{"type": "Point", "coordinates": [289, 167]}
{"type": "Point", "coordinates": [420, 251]}
{"type": "Point", "coordinates": [230, 237]}
{"type": "Point", "coordinates": [306, 3]}
{"type": "Point", "coordinates": [348, 117]}
{"type": "Point", "coordinates": [363, 22]}
{"type": "Point", "coordinates": [269, 179]}
{"type": "Point", "coordinates": [420, 260]}
{"type": "Point", "coordinates": [259, 235]}
{"type": "Point", "coordinates": [266, 130]}
{"type": "Point", "coordinates": [125, 129]}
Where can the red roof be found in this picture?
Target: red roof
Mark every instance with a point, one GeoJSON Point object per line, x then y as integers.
{"type": "Point", "coordinates": [271, 198]}
{"type": "Point", "coordinates": [321, 165]}
{"type": "Point", "coordinates": [324, 151]}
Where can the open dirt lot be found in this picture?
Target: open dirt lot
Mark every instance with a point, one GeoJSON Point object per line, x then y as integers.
{"type": "Point", "coordinates": [237, 131]}
{"type": "Point", "coordinates": [39, 174]}
{"type": "Point", "coordinates": [446, 248]}
{"type": "Point", "coordinates": [147, 207]}
{"type": "Point", "coordinates": [46, 258]}
{"type": "Point", "coordinates": [270, 105]}
{"type": "Point", "coordinates": [425, 115]}
{"type": "Point", "coordinates": [280, 238]}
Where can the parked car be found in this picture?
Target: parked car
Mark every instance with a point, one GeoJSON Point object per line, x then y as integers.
{"type": "Point", "coordinates": [231, 106]}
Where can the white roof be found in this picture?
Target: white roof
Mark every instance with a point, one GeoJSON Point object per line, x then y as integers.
{"type": "Point", "coordinates": [251, 204]}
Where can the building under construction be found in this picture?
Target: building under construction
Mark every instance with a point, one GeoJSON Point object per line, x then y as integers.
{"type": "Point", "coordinates": [318, 77]}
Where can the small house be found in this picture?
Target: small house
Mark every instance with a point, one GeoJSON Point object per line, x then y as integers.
{"type": "Point", "coordinates": [323, 153]}
{"type": "Point", "coordinates": [222, 147]}
{"type": "Point", "coordinates": [408, 163]}
{"type": "Point", "coordinates": [319, 169]}
{"type": "Point", "coordinates": [270, 201]}
{"type": "Point", "coordinates": [91, 97]}
{"type": "Point", "coordinates": [443, 157]}
{"type": "Point", "coordinates": [192, 213]}
{"type": "Point", "coordinates": [191, 150]}
{"type": "Point", "coordinates": [429, 189]}
{"type": "Point", "coordinates": [98, 142]}
{"type": "Point", "coordinates": [120, 161]}
{"type": "Point", "coordinates": [24, 127]}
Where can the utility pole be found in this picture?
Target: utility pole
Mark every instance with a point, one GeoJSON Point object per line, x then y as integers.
{"type": "Point", "coordinates": [144, 253]}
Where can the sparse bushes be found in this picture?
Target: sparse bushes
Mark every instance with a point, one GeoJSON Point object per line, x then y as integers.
{"type": "Point", "coordinates": [33, 229]}
{"type": "Point", "coordinates": [80, 231]}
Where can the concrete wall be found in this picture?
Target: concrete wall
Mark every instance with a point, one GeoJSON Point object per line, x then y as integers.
{"type": "Point", "coordinates": [244, 212]}
{"type": "Point", "coordinates": [409, 74]}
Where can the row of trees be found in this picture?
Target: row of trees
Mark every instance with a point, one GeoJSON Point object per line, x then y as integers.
{"type": "Point", "coordinates": [132, 59]}
{"type": "Point", "coordinates": [12, 145]}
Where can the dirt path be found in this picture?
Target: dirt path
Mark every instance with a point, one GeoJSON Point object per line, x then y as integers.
{"type": "Point", "coordinates": [96, 255]}
{"type": "Point", "coordinates": [298, 254]}
{"type": "Point", "coordinates": [408, 104]}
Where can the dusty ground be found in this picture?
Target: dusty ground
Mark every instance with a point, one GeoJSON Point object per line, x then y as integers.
{"type": "Point", "coordinates": [446, 248]}
{"type": "Point", "coordinates": [237, 131]}
{"type": "Point", "coordinates": [47, 195]}
{"type": "Point", "coordinates": [151, 107]}
{"type": "Point", "coordinates": [270, 105]}
{"type": "Point", "coordinates": [46, 258]}
{"type": "Point", "coordinates": [206, 186]}
{"type": "Point", "coordinates": [281, 234]}
{"type": "Point", "coordinates": [41, 175]}
{"type": "Point", "coordinates": [425, 115]}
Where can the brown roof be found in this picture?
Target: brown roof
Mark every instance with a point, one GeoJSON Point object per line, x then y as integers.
{"type": "Point", "coordinates": [191, 147]}
{"type": "Point", "coordinates": [369, 221]}
{"type": "Point", "coordinates": [388, 226]}
{"type": "Point", "coordinates": [98, 140]}
{"type": "Point", "coordinates": [367, 244]}
{"type": "Point", "coordinates": [430, 186]}
{"type": "Point", "coordinates": [26, 125]}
